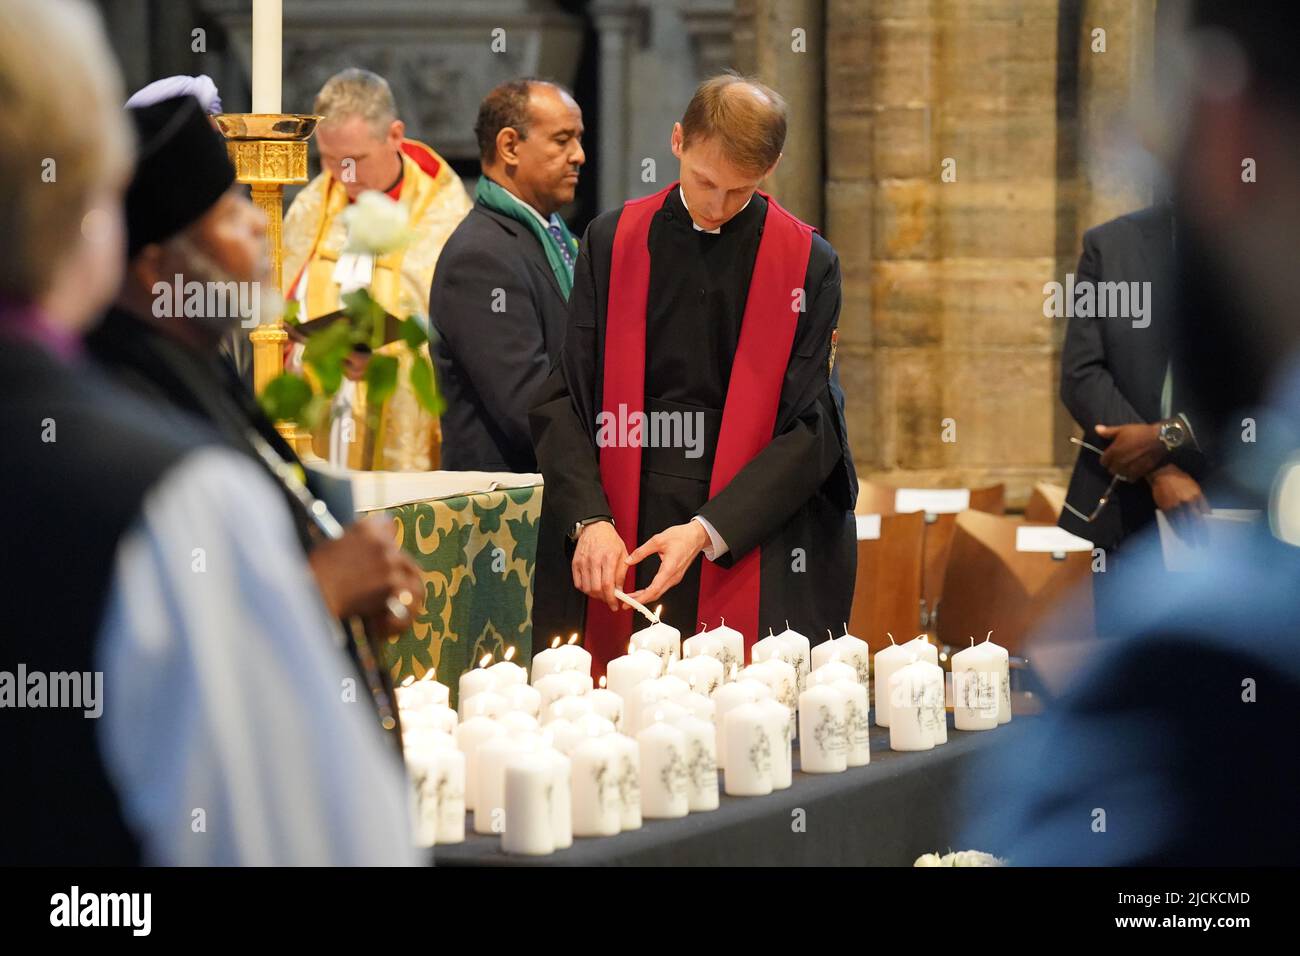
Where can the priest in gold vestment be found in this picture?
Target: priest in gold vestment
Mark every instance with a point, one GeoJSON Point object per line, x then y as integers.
{"type": "Point", "coordinates": [363, 147]}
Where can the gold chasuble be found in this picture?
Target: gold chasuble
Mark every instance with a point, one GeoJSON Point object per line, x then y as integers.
{"type": "Point", "coordinates": [314, 237]}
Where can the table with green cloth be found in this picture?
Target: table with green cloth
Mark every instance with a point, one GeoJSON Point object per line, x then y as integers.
{"type": "Point", "coordinates": [476, 553]}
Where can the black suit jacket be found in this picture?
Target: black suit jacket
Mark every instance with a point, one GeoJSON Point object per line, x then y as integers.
{"type": "Point", "coordinates": [500, 319]}
{"type": "Point", "coordinates": [1113, 368]}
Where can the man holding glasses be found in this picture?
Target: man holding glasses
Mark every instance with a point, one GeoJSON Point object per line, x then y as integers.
{"type": "Point", "coordinates": [1139, 451]}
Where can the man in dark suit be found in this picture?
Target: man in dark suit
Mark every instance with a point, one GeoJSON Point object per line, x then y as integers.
{"type": "Point", "coordinates": [498, 301]}
{"type": "Point", "coordinates": [1140, 451]}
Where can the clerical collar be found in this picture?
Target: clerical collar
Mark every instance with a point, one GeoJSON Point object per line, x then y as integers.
{"type": "Point", "coordinates": [712, 232]}
{"type": "Point", "coordinates": [395, 191]}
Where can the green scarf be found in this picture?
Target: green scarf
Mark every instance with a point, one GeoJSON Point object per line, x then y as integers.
{"type": "Point", "coordinates": [497, 199]}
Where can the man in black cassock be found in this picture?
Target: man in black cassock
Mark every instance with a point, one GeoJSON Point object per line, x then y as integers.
{"type": "Point", "coordinates": [681, 311]}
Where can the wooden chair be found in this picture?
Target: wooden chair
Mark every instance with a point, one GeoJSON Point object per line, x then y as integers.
{"type": "Point", "coordinates": [887, 593]}
{"type": "Point", "coordinates": [1046, 503]}
{"type": "Point", "coordinates": [938, 542]}
{"type": "Point", "coordinates": [989, 585]}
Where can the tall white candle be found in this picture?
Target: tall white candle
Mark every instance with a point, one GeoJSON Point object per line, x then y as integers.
{"type": "Point", "coordinates": [976, 687]}
{"type": "Point", "coordinates": [699, 705]}
{"type": "Point", "coordinates": [434, 717]}
{"type": "Point", "coordinates": [628, 775]}
{"type": "Point", "coordinates": [474, 681]}
{"type": "Point", "coordinates": [493, 755]}
{"type": "Point", "coordinates": [909, 720]}
{"type": "Point", "coordinates": [607, 704]}
{"type": "Point", "coordinates": [887, 661]}
{"type": "Point", "coordinates": [570, 708]}
{"type": "Point", "coordinates": [576, 656]}
{"type": "Point", "coordinates": [564, 735]}
{"type": "Point", "coordinates": [561, 798]}
{"type": "Point", "coordinates": [731, 649]}
{"type": "Point", "coordinates": [624, 673]}
{"type": "Point", "coordinates": [523, 698]}
{"type": "Point", "coordinates": [748, 770]}
{"type": "Point", "coordinates": [505, 674]}
{"type": "Point", "coordinates": [823, 744]}
{"type": "Point", "coordinates": [266, 56]}
{"type": "Point", "coordinates": [781, 725]}
{"type": "Point", "coordinates": [422, 693]}
{"type": "Point", "coordinates": [936, 713]}
{"type": "Point", "coordinates": [701, 762]}
{"type": "Point", "coordinates": [1004, 683]}
{"type": "Point", "coordinates": [800, 654]}
{"type": "Point", "coordinates": [528, 794]}
{"type": "Point", "coordinates": [597, 807]}
{"type": "Point", "coordinates": [450, 785]}
{"type": "Point", "coordinates": [470, 735]}
{"type": "Point", "coordinates": [857, 722]}
{"type": "Point", "coordinates": [703, 644]}
{"type": "Point", "coordinates": [661, 639]}
{"type": "Point", "coordinates": [663, 771]}
{"type": "Point", "coordinates": [847, 648]}
{"type": "Point", "coordinates": [487, 703]}
{"type": "Point", "coordinates": [726, 698]}
{"type": "Point", "coordinates": [702, 672]}
{"type": "Point", "coordinates": [779, 676]}
{"type": "Point", "coordinates": [562, 684]}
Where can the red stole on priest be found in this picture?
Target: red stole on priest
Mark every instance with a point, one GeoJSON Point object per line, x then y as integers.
{"type": "Point", "coordinates": [749, 414]}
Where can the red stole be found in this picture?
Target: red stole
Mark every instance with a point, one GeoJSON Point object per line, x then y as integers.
{"type": "Point", "coordinates": [748, 417]}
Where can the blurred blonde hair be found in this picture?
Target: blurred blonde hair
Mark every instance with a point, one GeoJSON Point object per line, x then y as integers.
{"type": "Point", "coordinates": [356, 92]}
{"type": "Point", "coordinates": [63, 135]}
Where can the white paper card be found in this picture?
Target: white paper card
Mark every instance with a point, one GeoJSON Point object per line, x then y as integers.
{"type": "Point", "coordinates": [1049, 538]}
{"type": "Point", "coordinates": [868, 527]}
{"type": "Point", "coordinates": [937, 501]}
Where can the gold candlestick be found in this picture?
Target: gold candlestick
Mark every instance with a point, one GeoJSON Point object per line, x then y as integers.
{"type": "Point", "coordinates": [269, 151]}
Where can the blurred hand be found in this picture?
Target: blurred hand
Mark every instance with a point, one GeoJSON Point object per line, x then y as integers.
{"type": "Point", "coordinates": [1134, 450]}
{"type": "Point", "coordinates": [1178, 495]}
{"type": "Point", "coordinates": [677, 547]}
{"type": "Point", "coordinates": [600, 563]}
{"type": "Point", "coordinates": [361, 570]}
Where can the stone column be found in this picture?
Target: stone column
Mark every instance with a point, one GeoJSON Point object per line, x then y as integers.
{"type": "Point", "coordinates": [616, 22]}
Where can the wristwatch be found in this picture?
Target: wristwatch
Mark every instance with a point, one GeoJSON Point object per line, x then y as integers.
{"type": "Point", "coordinates": [1173, 434]}
{"type": "Point", "coordinates": [579, 525]}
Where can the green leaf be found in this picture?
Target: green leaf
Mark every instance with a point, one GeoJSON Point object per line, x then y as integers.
{"type": "Point", "coordinates": [412, 332]}
{"type": "Point", "coordinates": [425, 386]}
{"type": "Point", "coordinates": [285, 397]}
{"type": "Point", "coordinates": [291, 312]}
{"type": "Point", "coordinates": [381, 379]}
{"type": "Point", "coordinates": [325, 353]}
{"type": "Point", "coordinates": [367, 316]}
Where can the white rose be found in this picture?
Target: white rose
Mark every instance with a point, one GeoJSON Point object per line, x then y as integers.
{"type": "Point", "coordinates": [928, 859]}
{"type": "Point", "coordinates": [376, 224]}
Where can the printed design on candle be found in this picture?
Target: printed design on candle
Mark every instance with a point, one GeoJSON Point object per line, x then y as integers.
{"type": "Point", "coordinates": [829, 732]}
{"type": "Point", "coordinates": [862, 665]}
{"type": "Point", "coordinates": [447, 794]}
{"type": "Point", "coordinates": [858, 724]}
{"type": "Point", "coordinates": [1006, 688]}
{"type": "Point", "coordinates": [977, 692]}
{"type": "Point", "coordinates": [629, 784]}
{"type": "Point", "coordinates": [606, 785]}
{"type": "Point", "coordinates": [760, 753]}
{"type": "Point", "coordinates": [673, 773]}
{"type": "Point", "coordinates": [702, 768]}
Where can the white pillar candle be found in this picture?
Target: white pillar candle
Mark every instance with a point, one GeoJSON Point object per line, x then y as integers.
{"type": "Point", "coordinates": [698, 705]}
{"type": "Point", "coordinates": [701, 762]}
{"type": "Point", "coordinates": [936, 715]}
{"type": "Point", "coordinates": [1003, 657]}
{"type": "Point", "coordinates": [800, 654]}
{"type": "Point", "coordinates": [923, 649]}
{"type": "Point", "coordinates": [731, 650]}
{"type": "Point", "coordinates": [767, 648]}
{"type": "Point", "coordinates": [422, 693]}
{"type": "Point", "coordinates": [848, 649]}
{"type": "Point", "coordinates": [823, 743]}
{"type": "Point", "coordinates": [561, 798]}
{"type": "Point", "coordinates": [564, 735]}
{"type": "Point", "coordinates": [701, 673]}
{"type": "Point", "coordinates": [668, 710]}
{"type": "Point", "coordinates": [562, 684]}
{"type": "Point", "coordinates": [493, 754]}
{"type": "Point", "coordinates": [416, 737]}
{"type": "Point", "coordinates": [267, 26]}
{"type": "Point", "coordinates": [628, 773]}
{"type": "Point", "coordinates": [576, 657]}
{"type": "Point", "coordinates": [517, 722]}
{"type": "Point", "coordinates": [597, 808]}
{"type": "Point", "coordinates": [570, 708]}
{"type": "Point", "coordinates": [748, 770]}
{"type": "Point", "coordinates": [976, 687]}
{"type": "Point", "coordinates": [472, 682]}
{"type": "Point", "coordinates": [909, 727]}
{"type": "Point", "coordinates": [663, 771]}
{"type": "Point", "coordinates": [506, 673]}
{"type": "Point", "coordinates": [529, 791]}
{"type": "Point", "coordinates": [624, 673]}
{"type": "Point", "coordinates": [594, 725]}
{"type": "Point", "coordinates": [781, 724]}
{"type": "Point", "coordinates": [607, 704]}
{"type": "Point", "coordinates": [643, 695]}
{"type": "Point", "coordinates": [725, 699]}
{"type": "Point", "coordinates": [451, 796]}
{"type": "Point", "coordinates": [661, 639]}
{"type": "Point", "coordinates": [433, 716]}
{"type": "Point", "coordinates": [887, 661]}
{"type": "Point", "coordinates": [470, 735]}
{"type": "Point", "coordinates": [857, 722]}
{"type": "Point", "coordinates": [522, 698]}
{"type": "Point", "coordinates": [779, 676]}
{"type": "Point", "coordinates": [422, 766]}
{"type": "Point", "coordinates": [830, 672]}
{"type": "Point", "coordinates": [486, 703]}
{"type": "Point", "coordinates": [551, 661]}
{"type": "Point", "coordinates": [703, 644]}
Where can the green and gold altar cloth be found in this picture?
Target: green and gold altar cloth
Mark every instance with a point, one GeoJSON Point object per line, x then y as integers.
{"type": "Point", "coordinates": [476, 555]}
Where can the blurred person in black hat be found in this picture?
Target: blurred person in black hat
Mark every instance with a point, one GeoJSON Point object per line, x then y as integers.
{"type": "Point", "coordinates": [1175, 744]}
{"type": "Point", "coordinates": [168, 690]}
{"type": "Point", "coordinates": [197, 269]}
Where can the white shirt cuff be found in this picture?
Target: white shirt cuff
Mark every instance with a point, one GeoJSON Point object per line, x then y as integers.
{"type": "Point", "coordinates": [716, 547]}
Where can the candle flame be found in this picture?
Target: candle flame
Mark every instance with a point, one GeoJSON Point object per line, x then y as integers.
{"type": "Point", "coordinates": [485, 660]}
{"type": "Point", "coordinates": [410, 679]}
{"type": "Point", "coordinates": [631, 646]}
{"type": "Point", "coordinates": [573, 638]}
{"type": "Point", "coordinates": [555, 641]}
{"type": "Point", "coordinates": [602, 681]}
{"type": "Point", "coordinates": [510, 652]}
{"type": "Point", "coordinates": [660, 609]}
{"type": "Point", "coordinates": [659, 715]}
